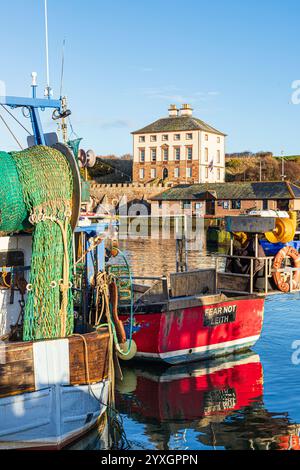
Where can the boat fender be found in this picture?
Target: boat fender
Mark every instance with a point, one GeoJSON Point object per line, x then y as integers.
{"type": "Point", "coordinates": [113, 294]}
{"type": "Point", "coordinates": [281, 283]}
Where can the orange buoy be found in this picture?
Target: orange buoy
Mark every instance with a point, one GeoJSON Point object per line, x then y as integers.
{"type": "Point", "coordinates": [279, 277]}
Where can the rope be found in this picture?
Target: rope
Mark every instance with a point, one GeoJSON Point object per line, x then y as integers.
{"type": "Point", "coordinates": [17, 120]}
{"type": "Point", "coordinates": [131, 306]}
{"type": "Point", "coordinates": [10, 131]}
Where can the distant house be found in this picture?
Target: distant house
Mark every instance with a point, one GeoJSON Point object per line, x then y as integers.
{"type": "Point", "coordinates": [179, 148]}
{"type": "Point", "coordinates": [220, 199]}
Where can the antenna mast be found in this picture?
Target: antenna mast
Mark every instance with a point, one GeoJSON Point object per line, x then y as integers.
{"type": "Point", "coordinates": [48, 91]}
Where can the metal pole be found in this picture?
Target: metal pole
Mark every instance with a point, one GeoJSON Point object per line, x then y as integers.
{"type": "Point", "coordinates": [48, 89]}
{"type": "Point", "coordinates": [282, 166]}
{"type": "Point", "coordinates": [259, 168]}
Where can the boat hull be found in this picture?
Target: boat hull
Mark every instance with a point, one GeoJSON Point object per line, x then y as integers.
{"type": "Point", "coordinates": [51, 418]}
{"type": "Point", "coordinates": [198, 332]}
{"type": "Point", "coordinates": [53, 391]}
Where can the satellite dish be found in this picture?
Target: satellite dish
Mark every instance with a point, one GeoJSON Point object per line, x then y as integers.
{"type": "Point", "coordinates": [91, 158]}
{"type": "Point", "coordinates": [82, 158]}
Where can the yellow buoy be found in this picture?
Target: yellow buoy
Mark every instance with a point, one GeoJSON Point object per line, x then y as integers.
{"type": "Point", "coordinates": [127, 355]}
{"type": "Point", "coordinates": [283, 232]}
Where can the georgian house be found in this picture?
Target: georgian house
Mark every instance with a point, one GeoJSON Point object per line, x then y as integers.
{"type": "Point", "coordinates": [179, 148]}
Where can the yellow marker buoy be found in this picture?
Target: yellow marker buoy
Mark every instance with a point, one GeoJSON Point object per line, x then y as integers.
{"type": "Point", "coordinates": [283, 232]}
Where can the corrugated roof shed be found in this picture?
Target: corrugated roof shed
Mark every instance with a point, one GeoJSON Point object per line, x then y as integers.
{"type": "Point", "coordinates": [236, 190]}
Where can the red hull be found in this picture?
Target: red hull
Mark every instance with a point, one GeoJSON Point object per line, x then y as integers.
{"type": "Point", "coordinates": [198, 332]}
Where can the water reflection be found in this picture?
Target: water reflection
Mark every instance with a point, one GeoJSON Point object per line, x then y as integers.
{"type": "Point", "coordinates": [151, 257]}
{"type": "Point", "coordinates": [220, 401]}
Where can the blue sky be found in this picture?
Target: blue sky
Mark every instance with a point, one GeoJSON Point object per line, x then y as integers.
{"type": "Point", "coordinates": [127, 60]}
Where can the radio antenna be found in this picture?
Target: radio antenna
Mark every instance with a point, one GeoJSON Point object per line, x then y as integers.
{"type": "Point", "coordinates": [62, 67]}
{"type": "Point", "coordinates": [48, 90]}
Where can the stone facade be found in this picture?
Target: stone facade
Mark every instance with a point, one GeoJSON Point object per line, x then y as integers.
{"type": "Point", "coordinates": [179, 148]}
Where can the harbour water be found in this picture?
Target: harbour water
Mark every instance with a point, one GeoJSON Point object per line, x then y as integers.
{"type": "Point", "coordinates": [249, 401]}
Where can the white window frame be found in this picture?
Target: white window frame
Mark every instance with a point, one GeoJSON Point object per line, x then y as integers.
{"type": "Point", "coordinates": [153, 173]}
{"type": "Point", "coordinates": [176, 149]}
{"type": "Point", "coordinates": [189, 172]}
{"type": "Point", "coordinates": [142, 173]}
{"type": "Point", "coordinates": [142, 138]}
{"type": "Point", "coordinates": [189, 149]}
{"type": "Point", "coordinates": [142, 160]}
{"type": "Point", "coordinates": [176, 172]}
{"type": "Point", "coordinates": [153, 138]}
{"type": "Point", "coordinates": [153, 159]}
{"type": "Point", "coordinates": [165, 151]}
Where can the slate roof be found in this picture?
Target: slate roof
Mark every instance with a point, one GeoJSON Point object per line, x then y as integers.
{"type": "Point", "coordinates": [179, 123]}
{"type": "Point", "coordinates": [235, 190]}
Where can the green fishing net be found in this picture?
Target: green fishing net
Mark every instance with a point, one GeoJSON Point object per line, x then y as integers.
{"type": "Point", "coordinates": [45, 181]}
{"type": "Point", "coordinates": [13, 212]}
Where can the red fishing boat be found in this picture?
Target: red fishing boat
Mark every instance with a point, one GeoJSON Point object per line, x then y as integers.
{"type": "Point", "coordinates": [189, 320]}
{"type": "Point", "coordinates": [195, 315]}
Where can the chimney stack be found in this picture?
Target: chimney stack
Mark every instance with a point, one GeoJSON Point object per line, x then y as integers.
{"type": "Point", "coordinates": [173, 111]}
{"type": "Point", "coordinates": [186, 110]}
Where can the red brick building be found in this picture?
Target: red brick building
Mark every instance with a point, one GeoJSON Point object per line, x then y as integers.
{"type": "Point", "coordinates": [221, 199]}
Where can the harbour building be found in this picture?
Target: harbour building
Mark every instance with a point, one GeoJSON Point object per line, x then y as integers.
{"type": "Point", "coordinates": [179, 148]}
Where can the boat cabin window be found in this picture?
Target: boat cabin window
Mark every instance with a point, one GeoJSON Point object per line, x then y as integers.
{"type": "Point", "coordinates": [11, 258]}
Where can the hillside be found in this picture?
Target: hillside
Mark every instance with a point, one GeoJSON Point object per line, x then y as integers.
{"type": "Point", "coordinates": [248, 167]}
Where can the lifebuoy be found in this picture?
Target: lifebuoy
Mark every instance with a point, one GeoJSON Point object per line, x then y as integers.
{"type": "Point", "coordinates": [279, 278]}
{"type": "Point", "coordinates": [113, 293]}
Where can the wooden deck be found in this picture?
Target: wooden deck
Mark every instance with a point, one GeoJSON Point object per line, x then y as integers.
{"type": "Point", "coordinates": [17, 364]}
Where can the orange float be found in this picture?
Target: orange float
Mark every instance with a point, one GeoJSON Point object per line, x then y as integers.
{"type": "Point", "coordinates": [279, 277]}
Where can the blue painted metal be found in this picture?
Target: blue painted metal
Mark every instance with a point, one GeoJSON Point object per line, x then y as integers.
{"type": "Point", "coordinates": [271, 249]}
{"type": "Point", "coordinates": [90, 232]}
{"type": "Point", "coordinates": [42, 103]}
{"type": "Point", "coordinates": [33, 104]}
